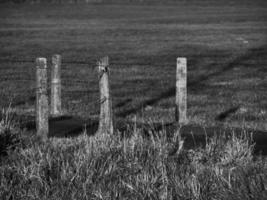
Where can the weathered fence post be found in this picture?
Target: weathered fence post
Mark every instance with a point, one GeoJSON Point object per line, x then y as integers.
{"type": "Point", "coordinates": [42, 108]}
{"type": "Point", "coordinates": [105, 118]}
{"type": "Point", "coordinates": [181, 91]}
{"type": "Point", "coordinates": [56, 86]}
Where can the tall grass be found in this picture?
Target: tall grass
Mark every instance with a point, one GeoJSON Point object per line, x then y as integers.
{"type": "Point", "coordinates": [10, 134]}
{"type": "Point", "coordinates": [136, 167]}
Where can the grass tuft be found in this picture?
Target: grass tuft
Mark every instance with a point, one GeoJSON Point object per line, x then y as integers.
{"type": "Point", "coordinates": [9, 131]}
{"type": "Point", "coordinates": [136, 167]}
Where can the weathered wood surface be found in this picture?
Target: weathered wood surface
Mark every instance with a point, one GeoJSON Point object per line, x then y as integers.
{"type": "Point", "coordinates": [56, 109]}
{"type": "Point", "coordinates": [105, 117]}
{"type": "Point", "coordinates": [181, 91]}
{"type": "Point", "coordinates": [42, 108]}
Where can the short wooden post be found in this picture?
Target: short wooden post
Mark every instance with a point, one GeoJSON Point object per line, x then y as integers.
{"type": "Point", "coordinates": [42, 108]}
{"type": "Point", "coordinates": [181, 91]}
{"type": "Point", "coordinates": [105, 118]}
{"type": "Point", "coordinates": [56, 86]}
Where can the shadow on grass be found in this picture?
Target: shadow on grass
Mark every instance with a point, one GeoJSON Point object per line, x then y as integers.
{"type": "Point", "coordinates": [123, 103]}
{"type": "Point", "coordinates": [68, 126]}
{"type": "Point", "coordinates": [254, 53]}
{"type": "Point", "coordinates": [64, 126]}
{"type": "Point", "coordinates": [222, 116]}
{"type": "Point", "coordinates": [29, 100]}
{"type": "Point", "coordinates": [194, 135]}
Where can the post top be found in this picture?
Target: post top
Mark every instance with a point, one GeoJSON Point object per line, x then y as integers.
{"type": "Point", "coordinates": [103, 64]}
{"type": "Point", "coordinates": [181, 59]}
{"type": "Point", "coordinates": [103, 61]}
{"type": "Point", "coordinates": [41, 62]}
{"type": "Point", "coordinates": [56, 55]}
{"type": "Point", "coordinates": [56, 58]}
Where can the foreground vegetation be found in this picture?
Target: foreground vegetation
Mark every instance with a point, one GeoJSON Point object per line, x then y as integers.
{"type": "Point", "coordinates": [130, 167]}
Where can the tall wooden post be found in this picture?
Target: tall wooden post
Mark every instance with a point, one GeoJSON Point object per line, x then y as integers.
{"type": "Point", "coordinates": [105, 118]}
{"type": "Point", "coordinates": [42, 108]}
{"type": "Point", "coordinates": [56, 86]}
{"type": "Point", "coordinates": [181, 91]}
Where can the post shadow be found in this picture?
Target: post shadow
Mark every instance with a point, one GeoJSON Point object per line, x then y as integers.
{"type": "Point", "coordinates": [63, 126]}
{"type": "Point", "coordinates": [199, 81]}
{"type": "Point", "coordinates": [222, 116]}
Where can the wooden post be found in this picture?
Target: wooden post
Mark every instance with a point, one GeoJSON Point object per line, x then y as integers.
{"type": "Point", "coordinates": [181, 91]}
{"type": "Point", "coordinates": [105, 118]}
{"type": "Point", "coordinates": [42, 108]}
{"type": "Point", "coordinates": [56, 86]}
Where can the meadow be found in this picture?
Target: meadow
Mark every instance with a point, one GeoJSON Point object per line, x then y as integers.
{"type": "Point", "coordinates": [225, 44]}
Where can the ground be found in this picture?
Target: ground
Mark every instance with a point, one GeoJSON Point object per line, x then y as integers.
{"type": "Point", "coordinates": [225, 44]}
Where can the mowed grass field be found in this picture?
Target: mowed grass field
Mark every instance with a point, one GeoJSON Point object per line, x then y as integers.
{"type": "Point", "coordinates": [224, 42]}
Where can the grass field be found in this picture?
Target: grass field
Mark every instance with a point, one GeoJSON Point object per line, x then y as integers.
{"type": "Point", "coordinates": [225, 44]}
